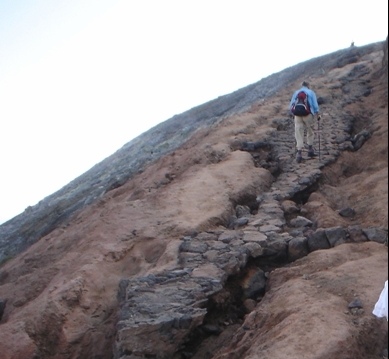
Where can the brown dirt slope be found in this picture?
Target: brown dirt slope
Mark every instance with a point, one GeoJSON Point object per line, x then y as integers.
{"type": "Point", "coordinates": [62, 291]}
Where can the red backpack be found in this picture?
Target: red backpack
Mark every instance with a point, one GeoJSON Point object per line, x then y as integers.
{"type": "Point", "coordinates": [301, 105]}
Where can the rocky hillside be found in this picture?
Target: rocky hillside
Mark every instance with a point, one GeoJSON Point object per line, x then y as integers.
{"type": "Point", "coordinates": [57, 209]}
{"type": "Point", "coordinates": [203, 238]}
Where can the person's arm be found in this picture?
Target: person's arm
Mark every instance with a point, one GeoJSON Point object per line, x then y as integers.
{"type": "Point", "coordinates": [292, 101]}
{"type": "Point", "coordinates": [314, 105]}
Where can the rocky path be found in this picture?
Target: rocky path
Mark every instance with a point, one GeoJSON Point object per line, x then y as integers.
{"type": "Point", "coordinates": [160, 313]}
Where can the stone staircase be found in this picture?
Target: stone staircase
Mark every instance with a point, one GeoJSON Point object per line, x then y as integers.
{"type": "Point", "coordinates": [159, 312]}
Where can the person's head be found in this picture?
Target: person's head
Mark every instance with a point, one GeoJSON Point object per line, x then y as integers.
{"type": "Point", "coordinates": [305, 84]}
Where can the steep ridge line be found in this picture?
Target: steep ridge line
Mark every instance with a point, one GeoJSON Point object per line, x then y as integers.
{"type": "Point", "coordinates": [168, 238]}
{"type": "Point", "coordinates": [58, 209]}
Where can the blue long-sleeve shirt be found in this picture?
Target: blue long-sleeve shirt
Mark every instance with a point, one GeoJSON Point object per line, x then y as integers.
{"type": "Point", "coordinates": [312, 100]}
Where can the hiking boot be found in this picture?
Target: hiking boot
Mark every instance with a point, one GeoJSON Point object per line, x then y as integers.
{"type": "Point", "coordinates": [299, 157]}
{"type": "Point", "coordinates": [310, 152]}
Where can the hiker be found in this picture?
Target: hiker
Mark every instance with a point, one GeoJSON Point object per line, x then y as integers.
{"type": "Point", "coordinates": [305, 109]}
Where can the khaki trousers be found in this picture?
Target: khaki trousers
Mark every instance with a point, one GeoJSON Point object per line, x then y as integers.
{"type": "Point", "coordinates": [300, 123]}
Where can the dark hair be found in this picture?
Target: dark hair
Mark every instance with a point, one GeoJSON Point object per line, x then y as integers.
{"type": "Point", "coordinates": [305, 83]}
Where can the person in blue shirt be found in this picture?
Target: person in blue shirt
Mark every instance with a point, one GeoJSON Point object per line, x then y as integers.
{"type": "Point", "coordinates": [305, 122]}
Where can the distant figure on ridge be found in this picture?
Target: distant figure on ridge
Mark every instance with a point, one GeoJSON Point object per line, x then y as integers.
{"type": "Point", "coordinates": [352, 44]}
{"type": "Point", "coordinates": [305, 109]}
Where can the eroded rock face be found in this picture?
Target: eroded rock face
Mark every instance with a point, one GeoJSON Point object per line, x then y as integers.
{"type": "Point", "coordinates": [220, 245]}
{"type": "Point", "coordinates": [307, 309]}
{"type": "Point", "coordinates": [160, 312]}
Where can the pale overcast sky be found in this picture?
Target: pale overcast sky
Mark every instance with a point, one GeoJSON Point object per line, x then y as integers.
{"type": "Point", "coordinates": [80, 78]}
